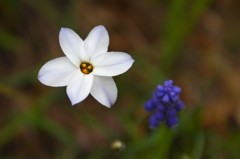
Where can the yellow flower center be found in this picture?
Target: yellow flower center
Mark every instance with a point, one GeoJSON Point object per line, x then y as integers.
{"type": "Point", "coordinates": [86, 67]}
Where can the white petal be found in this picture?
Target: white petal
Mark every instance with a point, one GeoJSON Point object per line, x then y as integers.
{"type": "Point", "coordinates": [72, 46]}
{"type": "Point", "coordinates": [111, 63]}
{"type": "Point", "coordinates": [97, 41]}
{"type": "Point", "coordinates": [104, 90]}
{"type": "Point", "coordinates": [79, 87]}
{"type": "Point", "coordinates": [57, 72]}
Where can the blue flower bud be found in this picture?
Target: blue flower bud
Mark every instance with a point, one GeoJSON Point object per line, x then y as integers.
{"type": "Point", "coordinates": [168, 83]}
{"type": "Point", "coordinates": [153, 123]}
{"type": "Point", "coordinates": [179, 105]}
{"type": "Point", "coordinates": [166, 99]}
{"type": "Point", "coordinates": [149, 106]}
{"type": "Point", "coordinates": [172, 122]}
{"type": "Point", "coordinates": [160, 88]}
{"type": "Point", "coordinates": [174, 96]}
{"type": "Point", "coordinates": [177, 89]}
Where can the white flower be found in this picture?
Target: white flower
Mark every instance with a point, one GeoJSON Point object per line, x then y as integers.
{"type": "Point", "coordinates": [87, 67]}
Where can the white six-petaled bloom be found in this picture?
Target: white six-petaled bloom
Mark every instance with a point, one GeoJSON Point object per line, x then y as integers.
{"type": "Point", "coordinates": [87, 67]}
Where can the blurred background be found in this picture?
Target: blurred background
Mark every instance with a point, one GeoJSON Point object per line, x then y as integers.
{"type": "Point", "coordinates": [195, 43]}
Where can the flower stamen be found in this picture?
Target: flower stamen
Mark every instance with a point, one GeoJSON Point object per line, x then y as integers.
{"type": "Point", "coordinates": [86, 67]}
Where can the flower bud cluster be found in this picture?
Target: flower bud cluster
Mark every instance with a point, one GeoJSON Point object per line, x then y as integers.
{"type": "Point", "coordinates": [165, 104]}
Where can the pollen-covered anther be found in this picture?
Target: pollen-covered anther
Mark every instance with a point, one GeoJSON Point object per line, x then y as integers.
{"type": "Point", "coordinates": [86, 67]}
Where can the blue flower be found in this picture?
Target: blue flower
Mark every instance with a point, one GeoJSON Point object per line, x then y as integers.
{"type": "Point", "coordinates": [165, 104]}
{"type": "Point", "coordinates": [167, 93]}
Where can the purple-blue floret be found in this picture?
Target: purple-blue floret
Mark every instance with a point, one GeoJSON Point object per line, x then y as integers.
{"type": "Point", "coordinates": [172, 122]}
{"type": "Point", "coordinates": [149, 106]}
{"type": "Point", "coordinates": [153, 123]}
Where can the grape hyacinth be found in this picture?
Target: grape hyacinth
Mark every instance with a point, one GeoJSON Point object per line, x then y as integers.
{"type": "Point", "coordinates": [165, 104]}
